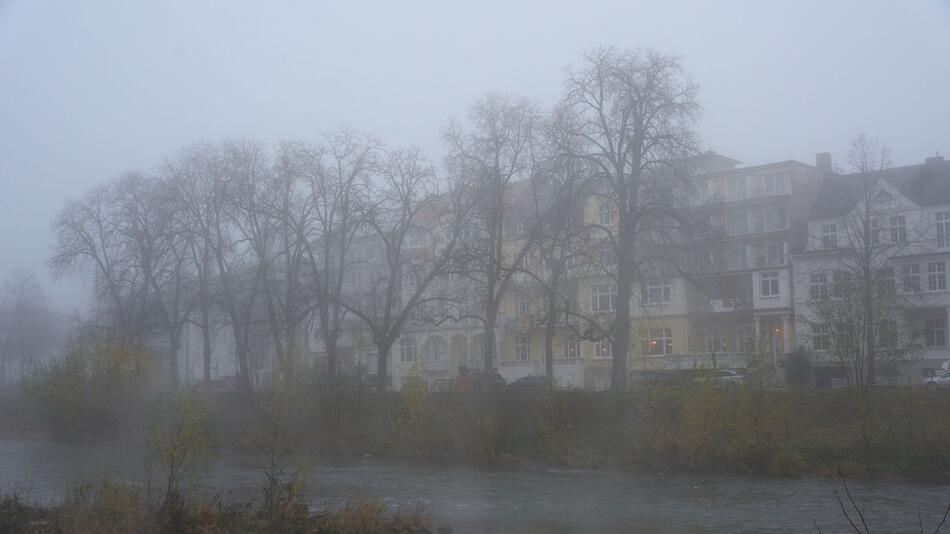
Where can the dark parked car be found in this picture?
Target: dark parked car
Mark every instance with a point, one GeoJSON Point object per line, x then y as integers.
{"type": "Point", "coordinates": [529, 383]}
{"type": "Point", "coordinates": [495, 381]}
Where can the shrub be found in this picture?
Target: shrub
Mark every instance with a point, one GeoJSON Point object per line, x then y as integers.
{"type": "Point", "coordinates": [106, 507]}
{"type": "Point", "coordinates": [94, 390]}
{"type": "Point", "coordinates": [176, 444]}
{"type": "Point", "coordinates": [413, 426]}
{"type": "Point", "coordinates": [16, 515]}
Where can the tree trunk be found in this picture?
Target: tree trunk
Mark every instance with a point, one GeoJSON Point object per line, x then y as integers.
{"type": "Point", "coordinates": [242, 351]}
{"type": "Point", "coordinates": [549, 338]}
{"type": "Point", "coordinates": [491, 316]}
{"type": "Point", "coordinates": [174, 344]}
{"type": "Point", "coordinates": [206, 346]}
{"type": "Point", "coordinates": [272, 323]}
{"type": "Point", "coordinates": [290, 333]}
{"type": "Point", "coordinates": [621, 341]}
{"type": "Point", "coordinates": [383, 349]}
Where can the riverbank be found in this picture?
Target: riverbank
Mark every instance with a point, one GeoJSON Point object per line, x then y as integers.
{"type": "Point", "coordinates": [122, 508]}
{"type": "Point", "coordinates": [691, 429]}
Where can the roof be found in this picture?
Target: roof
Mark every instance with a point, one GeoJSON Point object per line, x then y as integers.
{"type": "Point", "coordinates": [755, 169]}
{"type": "Point", "coordinates": [926, 184]}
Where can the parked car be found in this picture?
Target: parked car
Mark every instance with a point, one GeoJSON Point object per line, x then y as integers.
{"type": "Point", "coordinates": [721, 378]}
{"type": "Point", "coordinates": [529, 383]}
{"type": "Point", "coordinates": [494, 381]}
{"type": "Point", "coordinates": [938, 381]}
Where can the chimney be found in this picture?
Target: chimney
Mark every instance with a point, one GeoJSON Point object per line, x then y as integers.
{"type": "Point", "coordinates": [935, 161]}
{"type": "Point", "coordinates": [823, 162]}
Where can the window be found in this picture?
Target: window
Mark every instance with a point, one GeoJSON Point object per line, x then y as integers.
{"type": "Point", "coordinates": [887, 334]}
{"type": "Point", "coordinates": [701, 260]}
{"type": "Point", "coordinates": [659, 341]}
{"type": "Point", "coordinates": [571, 348]}
{"type": "Point", "coordinates": [935, 332]}
{"type": "Point", "coordinates": [910, 278]}
{"type": "Point", "coordinates": [772, 185]}
{"type": "Point", "coordinates": [737, 223]}
{"type": "Point", "coordinates": [775, 254]}
{"type": "Point", "coordinates": [898, 227]}
{"type": "Point", "coordinates": [818, 286]}
{"type": "Point", "coordinates": [715, 340]}
{"type": "Point", "coordinates": [602, 297]}
{"type": "Point", "coordinates": [416, 240]}
{"type": "Point", "coordinates": [371, 359]}
{"type": "Point", "coordinates": [874, 225]}
{"type": "Point", "coordinates": [776, 219]}
{"type": "Point", "coordinates": [435, 350]}
{"type": "Point", "coordinates": [606, 254]}
{"type": "Point", "coordinates": [769, 284]}
{"type": "Point", "coordinates": [829, 236]}
{"type": "Point", "coordinates": [738, 258]}
{"type": "Point", "coordinates": [887, 284]}
{"type": "Point", "coordinates": [519, 227]}
{"type": "Point", "coordinates": [745, 338]}
{"type": "Point", "coordinates": [603, 349]}
{"type": "Point", "coordinates": [521, 262]}
{"type": "Point", "coordinates": [840, 284]}
{"type": "Point", "coordinates": [407, 349]}
{"type": "Point", "coordinates": [521, 305]}
{"type": "Point", "coordinates": [606, 214]}
{"type": "Point", "coordinates": [567, 310]}
{"type": "Point", "coordinates": [943, 229]}
{"type": "Point", "coordinates": [522, 349]}
{"type": "Point", "coordinates": [659, 292]}
{"type": "Point", "coordinates": [737, 188]}
{"type": "Point", "coordinates": [820, 337]}
{"type": "Point", "coordinates": [936, 276]}
{"type": "Point", "coordinates": [756, 221]}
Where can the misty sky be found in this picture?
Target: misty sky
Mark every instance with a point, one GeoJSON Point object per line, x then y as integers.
{"type": "Point", "coordinates": [89, 89]}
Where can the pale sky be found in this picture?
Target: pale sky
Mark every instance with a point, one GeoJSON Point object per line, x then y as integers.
{"type": "Point", "coordinates": [90, 89]}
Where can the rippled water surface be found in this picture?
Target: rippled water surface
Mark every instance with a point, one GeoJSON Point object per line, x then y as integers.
{"type": "Point", "coordinates": [521, 500]}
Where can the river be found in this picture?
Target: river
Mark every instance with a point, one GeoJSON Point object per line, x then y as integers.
{"type": "Point", "coordinates": [521, 500]}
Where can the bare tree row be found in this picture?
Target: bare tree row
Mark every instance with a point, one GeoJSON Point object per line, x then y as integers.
{"type": "Point", "coordinates": [347, 229]}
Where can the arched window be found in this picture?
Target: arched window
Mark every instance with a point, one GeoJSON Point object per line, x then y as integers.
{"type": "Point", "coordinates": [407, 349]}
{"type": "Point", "coordinates": [435, 349]}
{"type": "Point", "coordinates": [606, 214]}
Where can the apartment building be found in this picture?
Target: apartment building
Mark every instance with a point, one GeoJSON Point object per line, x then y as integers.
{"type": "Point", "coordinates": [739, 296]}
{"type": "Point", "coordinates": [736, 300]}
{"type": "Point", "coordinates": [907, 210]}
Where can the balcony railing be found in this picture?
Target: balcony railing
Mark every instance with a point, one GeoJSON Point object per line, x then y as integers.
{"type": "Point", "coordinates": [727, 304]}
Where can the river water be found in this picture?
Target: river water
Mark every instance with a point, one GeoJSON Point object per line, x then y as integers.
{"type": "Point", "coordinates": [521, 500]}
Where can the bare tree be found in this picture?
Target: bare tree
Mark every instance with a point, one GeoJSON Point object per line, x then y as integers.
{"type": "Point", "coordinates": [192, 180]}
{"type": "Point", "coordinates": [218, 194]}
{"type": "Point", "coordinates": [147, 221]}
{"type": "Point", "coordinates": [336, 172]}
{"type": "Point", "coordinates": [25, 322]}
{"type": "Point", "coordinates": [486, 162]}
{"type": "Point", "coordinates": [633, 115]}
{"type": "Point", "coordinates": [558, 185]}
{"type": "Point", "coordinates": [854, 311]}
{"type": "Point", "coordinates": [415, 231]}
{"type": "Point", "coordinates": [90, 238]}
{"type": "Point", "coordinates": [290, 295]}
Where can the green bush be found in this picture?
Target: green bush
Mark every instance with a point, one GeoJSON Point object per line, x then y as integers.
{"type": "Point", "coordinates": [95, 390]}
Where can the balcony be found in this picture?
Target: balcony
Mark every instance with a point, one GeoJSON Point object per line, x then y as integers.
{"type": "Point", "coordinates": [726, 304]}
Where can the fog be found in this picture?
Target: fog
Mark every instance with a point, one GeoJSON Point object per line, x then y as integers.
{"type": "Point", "coordinates": [92, 89]}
